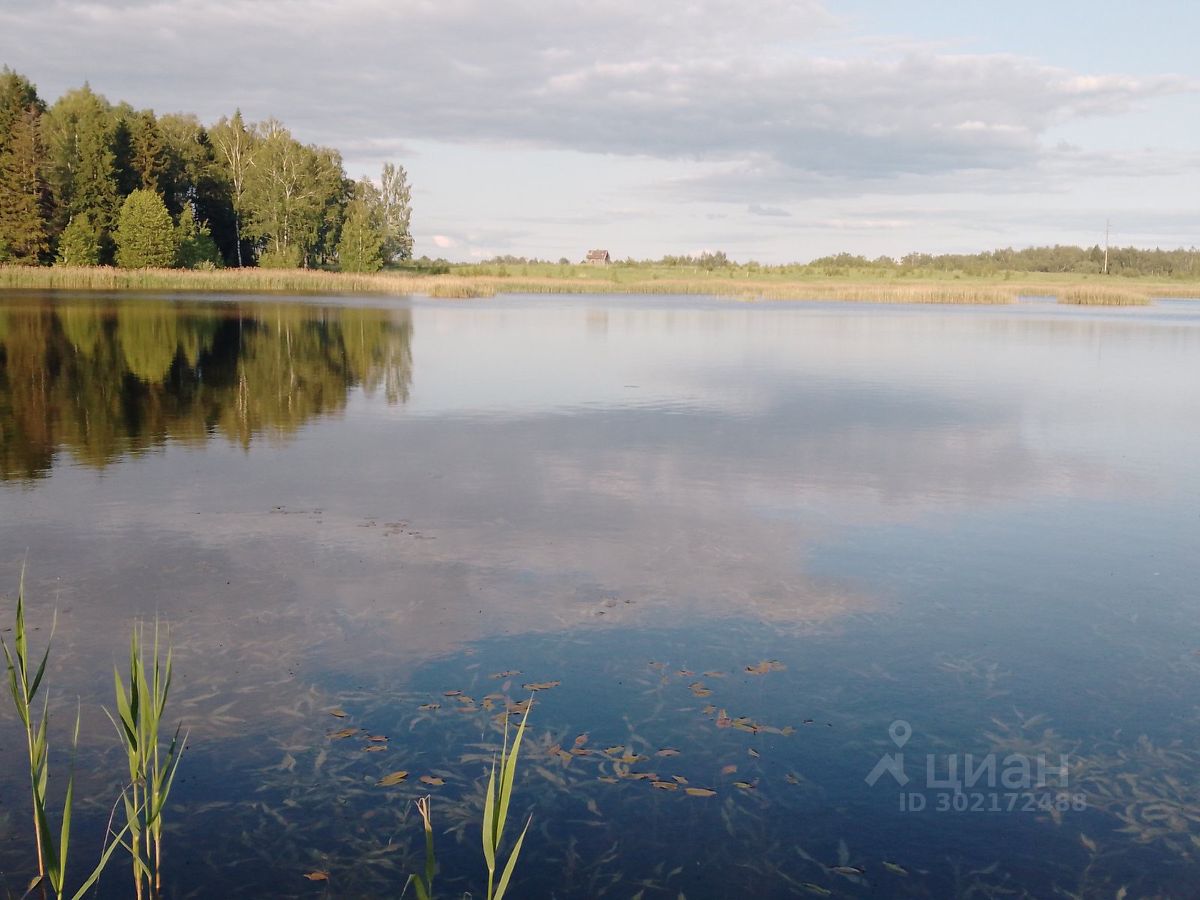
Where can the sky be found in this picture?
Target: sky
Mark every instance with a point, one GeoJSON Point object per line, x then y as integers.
{"type": "Point", "coordinates": [775, 130]}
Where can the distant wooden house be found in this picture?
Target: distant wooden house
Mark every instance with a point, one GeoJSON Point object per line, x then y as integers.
{"type": "Point", "coordinates": [597, 258]}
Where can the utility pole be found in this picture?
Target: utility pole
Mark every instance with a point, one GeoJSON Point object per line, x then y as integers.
{"type": "Point", "coordinates": [1106, 226]}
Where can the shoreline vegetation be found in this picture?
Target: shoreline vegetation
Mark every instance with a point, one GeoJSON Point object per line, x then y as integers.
{"type": "Point", "coordinates": [479, 281]}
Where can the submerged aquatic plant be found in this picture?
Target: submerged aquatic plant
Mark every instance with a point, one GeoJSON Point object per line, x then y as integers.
{"type": "Point", "coordinates": [52, 855]}
{"type": "Point", "coordinates": [495, 817]}
{"type": "Point", "coordinates": [151, 769]}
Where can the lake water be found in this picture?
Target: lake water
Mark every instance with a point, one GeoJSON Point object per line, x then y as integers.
{"type": "Point", "coordinates": [912, 591]}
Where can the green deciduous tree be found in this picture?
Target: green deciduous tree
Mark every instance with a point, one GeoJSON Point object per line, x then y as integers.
{"type": "Point", "coordinates": [145, 234]}
{"type": "Point", "coordinates": [395, 201]}
{"type": "Point", "coordinates": [360, 248]}
{"type": "Point", "coordinates": [79, 244]}
{"type": "Point", "coordinates": [79, 131]}
{"type": "Point", "coordinates": [290, 191]}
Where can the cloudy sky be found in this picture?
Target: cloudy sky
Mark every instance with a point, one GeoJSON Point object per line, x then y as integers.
{"type": "Point", "coordinates": [772, 129]}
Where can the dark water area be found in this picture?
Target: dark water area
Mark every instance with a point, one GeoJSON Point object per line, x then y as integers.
{"type": "Point", "coordinates": [910, 594]}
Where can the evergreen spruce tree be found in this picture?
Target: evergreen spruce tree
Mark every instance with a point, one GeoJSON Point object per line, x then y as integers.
{"type": "Point", "coordinates": [145, 234]}
{"type": "Point", "coordinates": [194, 244]}
{"type": "Point", "coordinates": [24, 194]}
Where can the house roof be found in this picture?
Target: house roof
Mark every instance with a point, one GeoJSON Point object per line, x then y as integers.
{"type": "Point", "coordinates": [597, 254]}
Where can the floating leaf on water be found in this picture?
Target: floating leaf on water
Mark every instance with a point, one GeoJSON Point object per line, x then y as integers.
{"type": "Point", "coordinates": [723, 720]}
{"type": "Point", "coordinates": [851, 872]}
{"type": "Point", "coordinates": [451, 693]}
{"type": "Point", "coordinates": [613, 751]}
{"type": "Point", "coordinates": [680, 779]}
{"type": "Point", "coordinates": [713, 674]}
{"type": "Point", "coordinates": [641, 776]}
{"type": "Point", "coordinates": [374, 748]}
{"type": "Point", "coordinates": [433, 780]}
{"type": "Point", "coordinates": [392, 779]}
{"type": "Point", "coordinates": [541, 685]}
{"type": "Point", "coordinates": [744, 785]}
{"type": "Point", "coordinates": [895, 869]}
{"type": "Point", "coordinates": [509, 674]}
{"type": "Point", "coordinates": [664, 785]}
{"type": "Point", "coordinates": [767, 665]}
{"type": "Point", "coordinates": [592, 807]}
{"type": "Point", "coordinates": [729, 769]}
{"type": "Point", "coordinates": [344, 733]}
{"type": "Point", "coordinates": [791, 778]}
{"type": "Point", "coordinates": [816, 889]}
{"type": "Point", "coordinates": [630, 759]}
{"type": "Point", "coordinates": [685, 673]}
{"type": "Point", "coordinates": [582, 739]}
{"type": "Point", "coordinates": [753, 753]}
{"type": "Point", "coordinates": [699, 792]}
{"type": "Point", "coordinates": [339, 712]}
{"type": "Point", "coordinates": [708, 709]}
{"type": "Point", "coordinates": [1087, 842]}
{"type": "Point", "coordinates": [377, 738]}
{"type": "Point", "coordinates": [317, 876]}
{"type": "Point", "coordinates": [608, 779]}
{"type": "Point", "coordinates": [667, 751]}
{"type": "Point", "coordinates": [430, 706]}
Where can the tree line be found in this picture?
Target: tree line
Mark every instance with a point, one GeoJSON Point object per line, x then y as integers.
{"type": "Point", "coordinates": [86, 182]}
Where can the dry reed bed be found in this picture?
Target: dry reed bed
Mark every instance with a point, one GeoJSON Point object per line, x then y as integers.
{"type": "Point", "coordinates": [308, 281]}
{"type": "Point", "coordinates": [1103, 296]}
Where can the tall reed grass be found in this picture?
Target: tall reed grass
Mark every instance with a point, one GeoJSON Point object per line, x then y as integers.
{"type": "Point", "coordinates": [1103, 296]}
{"type": "Point", "coordinates": [140, 708]}
{"type": "Point", "coordinates": [495, 819]}
{"type": "Point", "coordinates": [53, 855]}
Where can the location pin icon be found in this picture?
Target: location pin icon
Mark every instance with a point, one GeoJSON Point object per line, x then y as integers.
{"type": "Point", "coordinates": [900, 731]}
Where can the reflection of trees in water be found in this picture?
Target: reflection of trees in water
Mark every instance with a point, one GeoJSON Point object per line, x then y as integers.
{"type": "Point", "coordinates": [103, 379]}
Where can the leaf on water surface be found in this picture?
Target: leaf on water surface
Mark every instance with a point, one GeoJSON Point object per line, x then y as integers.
{"type": "Point", "coordinates": [816, 889]}
{"type": "Point", "coordinates": [509, 674]}
{"type": "Point", "coordinates": [791, 778]}
{"type": "Point", "coordinates": [613, 751]}
{"type": "Point", "coordinates": [745, 785]}
{"type": "Point", "coordinates": [895, 869]}
{"type": "Point", "coordinates": [430, 706]}
{"type": "Point", "coordinates": [344, 733]}
{"type": "Point", "coordinates": [708, 709]}
{"type": "Point", "coordinates": [723, 720]}
{"type": "Point", "coordinates": [451, 693]}
{"type": "Point", "coordinates": [685, 673]}
{"type": "Point", "coordinates": [338, 711]}
{"type": "Point", "coordinates": [753, 753]}
{"type": "Point", "coordinates": [767, 665]}
{"type": "Point", "coordinates": [608, 779]}
{"type": "Point", "coordinates": [432, 780]}
{"type": "Point", "coordinates": [377, 738]}
{"type": "Point", "coordinates": [374, 748]}
{"type": "Point", "coordinates": [664, 785]}
{"type": "Point", "coordinates": [680, 779]}
{"type": "Point", "coordinates": [593, 808]}
{"type": "Point", "coordinates": [699, 792]}
{"type": "Point", "coordinates": [667, 751]}
{"type": "Point", "coordinates": [1087, 842]}
{"type": "Point", "coordinates": [317, 876]}
{"type": "Point", "coordinates": [581, 739]}
{"type": "Point", "coordinates": [392, 779]}
{"type": "Point", "coordinates": [714, 674]}
{"type": "Point", "coordinates": [541, 685]}
{"type": "Point", "coordinates": [729, 769]}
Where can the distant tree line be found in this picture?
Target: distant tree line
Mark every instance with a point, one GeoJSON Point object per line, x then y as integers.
{"type": "Point", "coordinates": [86, 182]}
{"type": "Point", "coordinates": [1125, 261]}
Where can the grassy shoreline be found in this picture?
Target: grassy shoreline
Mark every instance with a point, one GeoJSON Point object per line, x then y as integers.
{"type": "Point", "coordinates": [972, 291]}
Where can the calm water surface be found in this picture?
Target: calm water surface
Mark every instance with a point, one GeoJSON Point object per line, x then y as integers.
{"type": "Point", "coordinates": [912, 590]}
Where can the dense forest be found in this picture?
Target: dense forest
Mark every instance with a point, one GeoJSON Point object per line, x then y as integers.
{"type": "Point", "coordinates": [87, 182]}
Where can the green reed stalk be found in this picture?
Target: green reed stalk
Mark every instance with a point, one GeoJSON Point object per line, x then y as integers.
{"type": "Point", "coordinates": [52, 856]}
{"type": "Point", "coordinates": [152, 770]}
{"type": "Point", "coordinates": [424, 885]}
{"type": "Point", "coordinates": [495, 812]}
